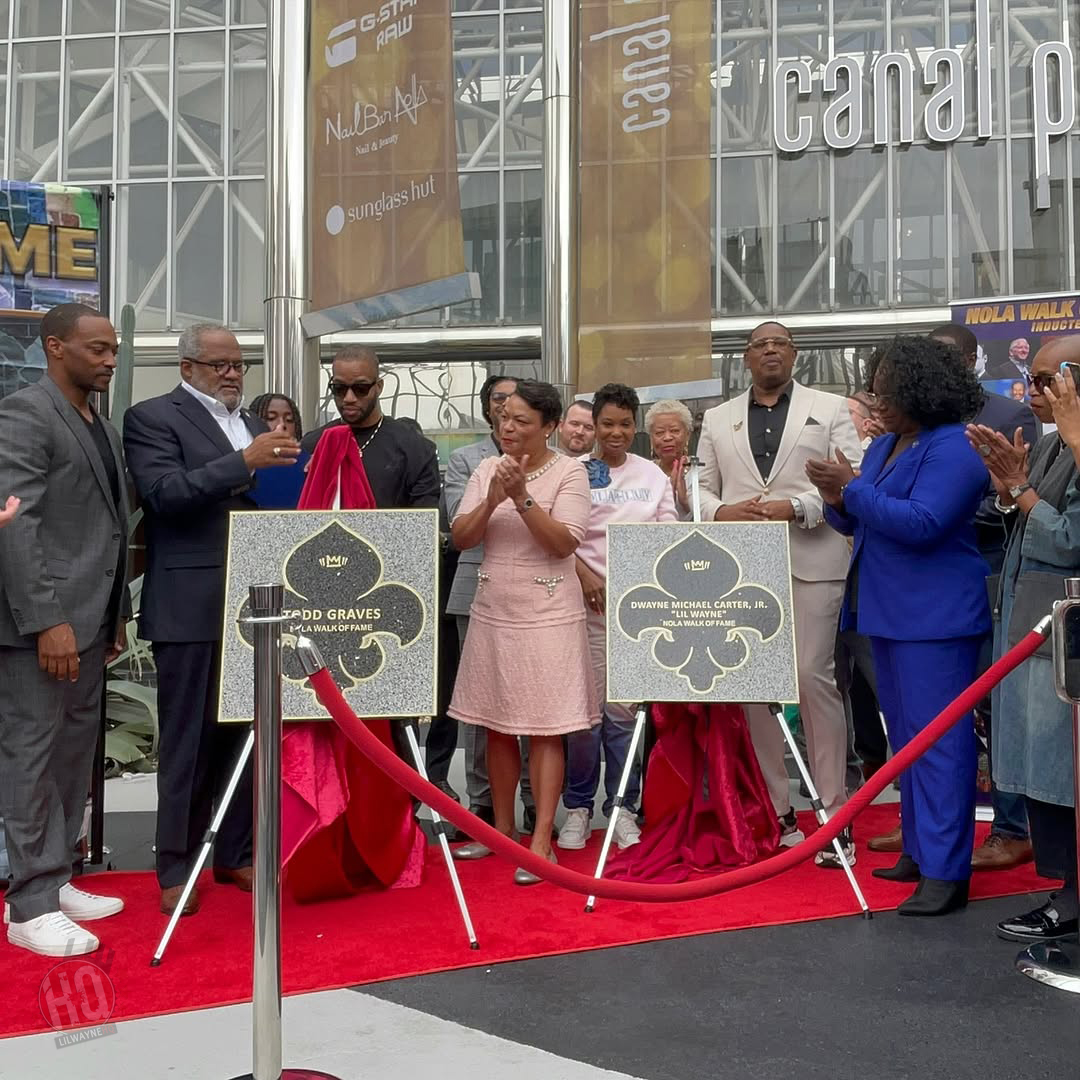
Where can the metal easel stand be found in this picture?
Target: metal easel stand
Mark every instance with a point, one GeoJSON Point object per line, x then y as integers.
{"type": "Point", "coordinates": [617, 806]}
{"type": "Point", "coordinates": [1057, 963]}
{"type": "Point", "coordinates": [818, 807]}
{"type": "Point", "coordinates": [208, 842]}
{"type": "Point", "coordinates": [444, 843]}
{"type": "Point", "coordinates": [266, 603]}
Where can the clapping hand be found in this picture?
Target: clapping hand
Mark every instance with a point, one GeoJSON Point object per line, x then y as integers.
{"type": "Point", "coordinates": [831, 477]}
{"type": "Point", "coordinates": [511, 474]}
{"type": "Point", "coordinates": [1007, 462]}
{"type": "Point", "coordinates": [678, 483]}
{"type": "Point", "coordinates": [1066, 405]}
{"type": "Point", "coordinates": [11, 508]}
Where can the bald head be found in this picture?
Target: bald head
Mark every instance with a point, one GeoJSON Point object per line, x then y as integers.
{"type": "Point", "coordinates": [1047, 364]}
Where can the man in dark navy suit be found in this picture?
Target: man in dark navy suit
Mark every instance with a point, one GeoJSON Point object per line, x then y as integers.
{"type": "Point", "coordinates": [193, 454]}
{"type": "Point", "coordinates": [1008, 844]}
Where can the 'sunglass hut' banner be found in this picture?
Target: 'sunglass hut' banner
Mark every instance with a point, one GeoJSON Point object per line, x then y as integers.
{"type": "Point", "coordinates": [385, 209]}
{"type": "Point", "coordinates": [645, 271]}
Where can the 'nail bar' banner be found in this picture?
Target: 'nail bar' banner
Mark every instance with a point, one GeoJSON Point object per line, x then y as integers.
{"type": "Point", "coordinates": [645, 271]}
{"type": "Point", "coordinates": [385, 211]}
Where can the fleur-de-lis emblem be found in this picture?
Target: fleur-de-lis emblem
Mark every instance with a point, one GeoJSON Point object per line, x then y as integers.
{"type": "Point", "coordinates": [334, 585]}
{"type": "Point", "coordinates": [703, 617]}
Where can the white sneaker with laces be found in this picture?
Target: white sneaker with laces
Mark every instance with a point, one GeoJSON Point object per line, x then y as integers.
{"type": "Point", "coordinates": [627, 833]}
{"type": "Point", "coordinates": [81, 906]}
{"type": "Point", "coordinates": [53, 934]}
{"type": "Point", "coordinates": [576, 830]}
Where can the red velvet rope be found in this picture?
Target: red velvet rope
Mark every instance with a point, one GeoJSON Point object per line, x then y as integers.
{"type": "Point", "coordinates": [393, 766]}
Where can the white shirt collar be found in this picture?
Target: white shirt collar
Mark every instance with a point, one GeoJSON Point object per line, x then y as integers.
{"type": "Point", "coordinates": [215, 407]}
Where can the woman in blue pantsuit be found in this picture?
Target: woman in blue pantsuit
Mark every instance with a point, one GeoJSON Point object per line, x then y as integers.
{"type": "Point", "coordinates": [917, 588]}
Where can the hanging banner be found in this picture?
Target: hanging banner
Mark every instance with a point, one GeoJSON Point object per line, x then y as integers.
{"type": "Point", "coordinates": [645, 303]}
{"type": "Point", "coordinates": [385, 210]}
{"type": "Point", "coordinates": [1011, 332]}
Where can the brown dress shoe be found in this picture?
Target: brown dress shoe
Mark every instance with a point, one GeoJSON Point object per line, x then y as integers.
{"type": "Point", "coordinates": [170, 897]}
{"type": "Point", "coordinates": [1001, 853]}
{"type": "Point", "coordinates": [891, 841]}
{"type": "Point", "coordinates": [243, 877]}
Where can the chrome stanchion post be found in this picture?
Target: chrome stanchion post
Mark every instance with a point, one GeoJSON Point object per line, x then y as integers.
{"type": "Point", "coordinates": [693, 480]}
{"type": "Point", "coordinates": [1057, 963]}
{"type": "Point", "coordinates": [266, 603]}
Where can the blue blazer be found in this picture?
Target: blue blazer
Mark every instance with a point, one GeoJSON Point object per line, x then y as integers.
{"type": "Point", "coordinates": [915, 563]}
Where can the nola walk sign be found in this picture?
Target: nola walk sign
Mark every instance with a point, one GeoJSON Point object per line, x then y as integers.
{"type": "Point", "coordinates": [892, 103]}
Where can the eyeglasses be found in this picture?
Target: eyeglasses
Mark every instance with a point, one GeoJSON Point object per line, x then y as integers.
{"type": "Point", "coordinates": [878, 401]}
{"type": "Point", "coordinates": [760, 343]}
{"type": "Point", "coordinates": [501, 395]}
{"type": "Point", "coordinates": [222, 367]}
{"type": "Point", "coordinates": [359, 389]}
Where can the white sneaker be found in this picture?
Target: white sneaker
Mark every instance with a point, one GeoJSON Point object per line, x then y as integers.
{"type": "Point", "coordinates": [790, 833]}
{"type": "Point", "coordinates": [576, 830]}
{"type": "Point", "coordinates": [81, 906]}
{"type": "Point", "coordinates": [53, 934]}
{"type": "Point", "coordinates": [627, 833]}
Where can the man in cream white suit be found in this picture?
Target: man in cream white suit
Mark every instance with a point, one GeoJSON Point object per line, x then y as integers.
{"type": "Point", "coordinates": [754, 450]}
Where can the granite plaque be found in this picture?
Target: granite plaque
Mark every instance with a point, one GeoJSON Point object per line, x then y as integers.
{"type": "Point", "coordinates": [700, 613]}
{"type": "Point", "coordinates": [362, 584]}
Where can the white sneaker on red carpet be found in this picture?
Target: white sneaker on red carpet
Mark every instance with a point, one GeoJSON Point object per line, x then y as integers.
{"type": "Point", "coordinates": [81, 906]}
{"type": "Point", "coordinates": [627, 833]}
{"type": "Point", "coordinates": [53, 934]}
{"type": "Point", "coordinates": [576, 829]}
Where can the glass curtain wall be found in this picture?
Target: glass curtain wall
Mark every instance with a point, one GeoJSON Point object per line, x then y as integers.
{"type": "Point", "coordinates": [165, 100]}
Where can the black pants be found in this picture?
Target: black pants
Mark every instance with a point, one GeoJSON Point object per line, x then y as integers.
{"type": "Point", "coordinates": [1053, 838]}
{"type": "Point", "coordinates": [197, 756]}
{"type": "Point", "coordinates": [442, 735]}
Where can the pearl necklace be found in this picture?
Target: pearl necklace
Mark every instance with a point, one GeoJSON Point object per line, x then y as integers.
{"type": "Point", "coordinates": [543, 468]}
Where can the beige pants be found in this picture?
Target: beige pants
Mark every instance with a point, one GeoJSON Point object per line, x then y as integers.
{"type": "Point", "coordinates": [821, 709]}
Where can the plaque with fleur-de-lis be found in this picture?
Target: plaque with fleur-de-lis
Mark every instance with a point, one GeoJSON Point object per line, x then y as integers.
{"type": "Point", "coordinates": [361, 584]}
{"type": "Point", "coordinates": [700, 613]}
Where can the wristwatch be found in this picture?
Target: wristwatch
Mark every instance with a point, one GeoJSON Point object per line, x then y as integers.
{"type": "Point", "coordinates": [1016, 492]}
{"type": "Point", "coordinates": [800, 513]}
{"type": "Point", "coordinates": [526, 505]}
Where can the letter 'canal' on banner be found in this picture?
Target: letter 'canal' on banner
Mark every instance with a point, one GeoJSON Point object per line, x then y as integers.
{"type": "Point", "coordinates": [646, 186]}
{"type": "Point", "coordinates": [385, 211]}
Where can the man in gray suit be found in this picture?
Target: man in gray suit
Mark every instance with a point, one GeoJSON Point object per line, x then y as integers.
{"type": "Point", "coordinates": [63, 607]}
{"type": "Point", "coordinates": [459, 468]}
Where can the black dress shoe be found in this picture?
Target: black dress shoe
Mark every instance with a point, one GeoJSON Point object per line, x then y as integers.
{"type": "Point", "coordinates": [1043, 924]}
{"type": "Point", "coordinates": [935, 897]}
{"type": "Point", "coordinates": [906, 869]}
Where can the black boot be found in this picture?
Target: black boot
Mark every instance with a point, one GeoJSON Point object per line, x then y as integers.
{"type": "Point", "coordinates": [906, 869]}
{"type": "Point", "coordinates": [935, 897]}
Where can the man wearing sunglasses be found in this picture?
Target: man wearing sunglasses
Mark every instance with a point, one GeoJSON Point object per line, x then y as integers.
{"type": "Point", "coordinates": [401, 465]}
{"type": "Point", "coordinates": [193, 454]}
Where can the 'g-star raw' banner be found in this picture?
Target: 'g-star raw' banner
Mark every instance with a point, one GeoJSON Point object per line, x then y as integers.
{"type": "Point", "coordinates": [385, 212]}
{"type": "Point", "coordinates": [645, 272]}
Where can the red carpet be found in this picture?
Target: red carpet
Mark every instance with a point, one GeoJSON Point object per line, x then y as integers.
{"type": "Point", "coordinates": [389, 935]}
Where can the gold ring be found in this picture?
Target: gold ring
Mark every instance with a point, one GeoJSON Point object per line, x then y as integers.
{"type": "Point", "coordinates": [277, 451]}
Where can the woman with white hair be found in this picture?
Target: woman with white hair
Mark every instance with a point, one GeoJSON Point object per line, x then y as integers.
{"type": "Point", "coordinates": [668, 424]}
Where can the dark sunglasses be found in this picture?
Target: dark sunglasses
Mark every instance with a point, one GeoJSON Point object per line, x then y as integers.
{"type": "Point", "coordinates": [222, 367]}
{"type": "Point", "coordinates": [1041, 382]}
{"type": "Point", "coordinates": [359, 389]}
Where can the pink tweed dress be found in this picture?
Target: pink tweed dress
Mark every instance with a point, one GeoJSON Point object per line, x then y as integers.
{"type": "Point", "coordinates": [525, 668]}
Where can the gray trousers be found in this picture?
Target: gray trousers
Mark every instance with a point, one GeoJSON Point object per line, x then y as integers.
{"type": "Point", "coordinates": [474, 739]}
{"type": "Point", "coordinates": [48, 734]}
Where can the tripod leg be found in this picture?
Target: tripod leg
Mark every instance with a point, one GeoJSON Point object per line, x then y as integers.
{"type": "Point", "coordinates": [208, 843]}
{"type": "Point", "coordinates": [440, 829]}
{"type": "Point", "coordinates": [624, 780]}
{"type": "Point", "coordinates": [819, 810]}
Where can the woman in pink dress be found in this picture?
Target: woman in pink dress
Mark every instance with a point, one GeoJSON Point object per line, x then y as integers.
{"type": "Point", "coordinates": [525, 666]}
